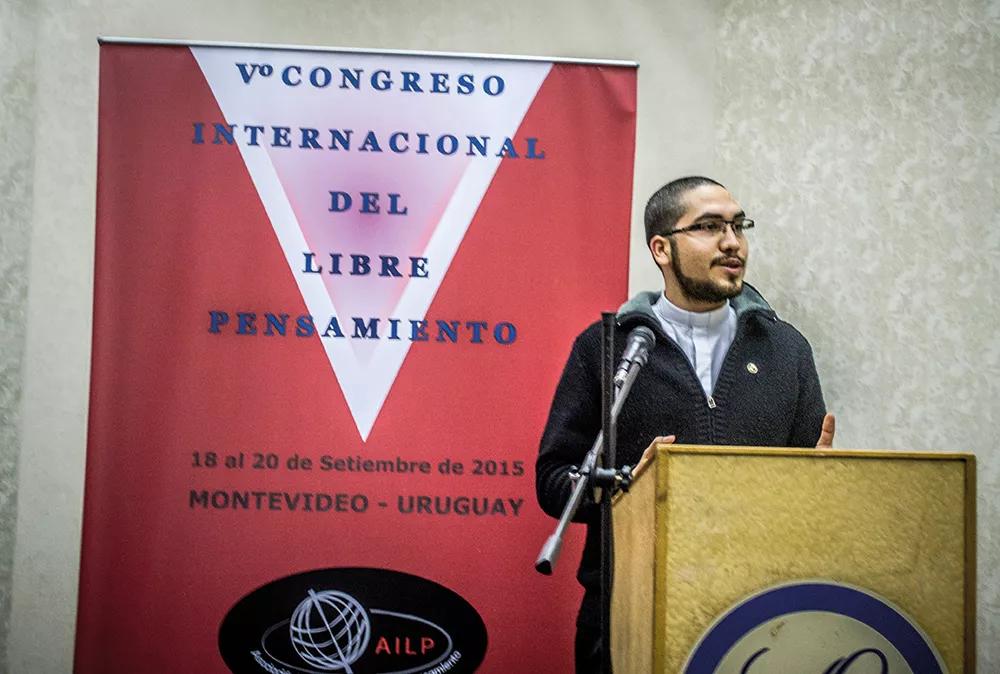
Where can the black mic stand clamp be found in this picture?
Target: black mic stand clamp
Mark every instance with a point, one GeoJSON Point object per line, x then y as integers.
{"type": "Point", "coordinates": [604, 478]}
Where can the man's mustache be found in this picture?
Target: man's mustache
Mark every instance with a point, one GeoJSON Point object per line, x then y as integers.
{"type": "Point", "coordinates": [729, 261]}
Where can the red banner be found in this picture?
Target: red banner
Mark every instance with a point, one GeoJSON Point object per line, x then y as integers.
{"type": "Point", "coordinates": [333, 294]}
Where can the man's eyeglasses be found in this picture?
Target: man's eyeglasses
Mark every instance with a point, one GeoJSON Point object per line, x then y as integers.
{"type": "Point", "coordinates": [716, 227]}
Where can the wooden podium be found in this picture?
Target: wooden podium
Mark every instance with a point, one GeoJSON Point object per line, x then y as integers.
{"type": "Point", "coordinates": [702, 528]}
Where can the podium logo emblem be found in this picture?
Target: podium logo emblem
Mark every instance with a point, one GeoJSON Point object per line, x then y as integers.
{"type": "Point", "coordinates": [814, 627]}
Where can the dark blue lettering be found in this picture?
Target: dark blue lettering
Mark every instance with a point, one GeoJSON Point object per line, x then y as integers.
{"type": "Point", "coordinates": [341, 138]}
{"type": "Point", "coordinates": [276, 323]}
{"type": "Point", "coordinates": [533, 153]}
{"type": "Point", "coordinates": [389, 266]}
{"type": "Point", "coordinates": [477, 143]}
{"type": "Point", "coordinates": [247, 73]}
{"type": "Point", "coordinates": [410, 81]}
{"type": "Point", "coordinates": [309, 141]}
{"type": "Point", "coordinates": [245, 322]}
{"type": "Point", "coordinates": [838, 666]}
{"type": "Point", "coordinates": [439, 83]}
{"type": "Point", "coordinates": [381, 80]}
{"type": "Point", "coordinates": [350, 79]}
{"type": "Point", "coordinates": [224, 131]}
{"type": "Point", "coordinates": [448, 331]}
{"type": "Point", "coordinates": [394, 146]}
{"type": "Point", "coordinates": [418, 331]}
{"type": "Point", "coordinates": [285, 75]}
{"type": "Point", "coordinates": [505, 333]}
{"type": "Point", "coordinates": [507, 150]}
{"type": "Point", "coordinates": [477, 328]}
{"type": "Point", "coordinates": [309, 267]}
{"type": "Point", "coordinates": [746, 665]}
{"type": "Point", "coordinates": [365, 331]}
{"type": "Point", "coordinates": [334, 327]}
{"type": "Point", "coordinates": [466, 84]}
{"type": "Point", "coordinates": [418, 267]}
{"type": "Point", "coordinates": [493, 85]}
{"type": "Point", "coordinates": [282, 137]}
{"type": "Point", "coordinates": [452, 147]}
{"type": "Point", "coordinates": [370, 144]}
{"type": "Point", "coordinates": [304, 326]}
{"type": "Point", "coordinates": [254, 131]}
{"type": "Point", "coordinates": [394, 205]}
{"type": "Point", "coordinates": [369, 202]}
{"type": "Point", "coordinates": [360, 265]}
{"type": "Point", "coordinates": [339, 201]}
{"type": "Point", "coordinates": [216, 320]}
{"type": "Point", "coordinates": [883, 661]}
{"type": "Point", "coordinates": [320, 77]}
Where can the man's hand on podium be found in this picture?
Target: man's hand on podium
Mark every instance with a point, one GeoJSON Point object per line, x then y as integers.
{"type": "Point", "coordinates": [647, 455]}
{"type": "Point", "coordinates": [826, 433]}
{"type": "Point", "coordinates": [825, 442]}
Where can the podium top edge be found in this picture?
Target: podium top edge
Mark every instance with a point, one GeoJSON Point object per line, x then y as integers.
{"type": "Point", "coordinates": [804, 452]}
{"type": "Point", "coordinates": [719, 450]}
{"type": "Point", "coordinates": [612, 63]}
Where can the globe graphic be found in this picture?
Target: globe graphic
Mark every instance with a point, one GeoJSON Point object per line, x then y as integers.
{"type": "Point", "coordinates": [330, 630]}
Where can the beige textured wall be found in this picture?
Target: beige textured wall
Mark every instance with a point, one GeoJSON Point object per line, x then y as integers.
{"type": "Point", "coordinates": [864, 136]}
{"type": "Point", "coordinates": [17, 107]}
{"type": "Point", "coordinates": [61, 78]}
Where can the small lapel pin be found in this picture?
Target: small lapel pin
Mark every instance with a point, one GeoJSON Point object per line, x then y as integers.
{"type": "Point", "coordinates": [752, 368]}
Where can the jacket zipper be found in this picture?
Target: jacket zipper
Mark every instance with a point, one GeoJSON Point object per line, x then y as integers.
{"type": "Point", "coordinates": [709, 399]}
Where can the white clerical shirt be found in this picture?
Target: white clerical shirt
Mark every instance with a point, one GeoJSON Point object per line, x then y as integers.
{"type": "Point", "coordinates": [704, 337]}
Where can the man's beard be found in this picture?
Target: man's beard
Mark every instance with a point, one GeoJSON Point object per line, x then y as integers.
{"type": "Point", "coordinates": [702, 291]}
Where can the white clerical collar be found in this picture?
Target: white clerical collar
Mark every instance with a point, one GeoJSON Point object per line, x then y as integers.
{"type": "Point", "coordinates": [672, 313]}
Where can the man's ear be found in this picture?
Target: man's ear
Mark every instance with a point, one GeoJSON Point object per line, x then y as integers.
{"type": "Point", "coordinates": [659, 246]}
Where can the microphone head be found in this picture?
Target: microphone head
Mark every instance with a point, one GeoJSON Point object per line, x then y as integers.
{"type": "Point", "coordinates": [644, 334]}
{"type": "Point", "coordinates": [636, 320]}
{"type": "Point", "coordinates": [644, 339]}
{"type": "Point", "coordinates": [640, 340]}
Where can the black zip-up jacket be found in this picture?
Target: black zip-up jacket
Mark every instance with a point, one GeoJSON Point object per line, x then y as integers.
{"type": "Point", "coordinates": [767, 394]}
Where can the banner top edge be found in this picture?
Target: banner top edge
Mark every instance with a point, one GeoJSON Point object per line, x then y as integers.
{"type": "Point", "coordinates": [102, 39]}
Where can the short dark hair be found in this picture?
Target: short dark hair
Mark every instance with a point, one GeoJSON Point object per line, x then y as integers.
{"type": "Point", "coordinates": [666, 206]}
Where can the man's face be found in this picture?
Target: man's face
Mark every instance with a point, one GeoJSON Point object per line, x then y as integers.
{"type": "Point", "coordinates": [702, 271]}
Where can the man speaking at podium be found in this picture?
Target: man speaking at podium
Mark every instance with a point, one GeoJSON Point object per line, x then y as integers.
{"type": "Point", "coordinates": [725, 370]}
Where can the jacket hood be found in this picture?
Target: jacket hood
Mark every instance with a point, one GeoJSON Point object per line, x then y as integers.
{"type": "Point", "coordinates": [639, 309]}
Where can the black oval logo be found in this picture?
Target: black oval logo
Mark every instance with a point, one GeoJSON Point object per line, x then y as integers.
{"type": "Point", "coordinates": [355, 621]}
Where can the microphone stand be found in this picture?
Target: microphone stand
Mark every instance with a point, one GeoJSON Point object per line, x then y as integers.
{"type": "Point", "coordinates": [598, 472]}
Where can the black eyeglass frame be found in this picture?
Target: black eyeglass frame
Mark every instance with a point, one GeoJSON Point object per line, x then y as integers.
{"type": "Point", "coordinates": [739, 226]}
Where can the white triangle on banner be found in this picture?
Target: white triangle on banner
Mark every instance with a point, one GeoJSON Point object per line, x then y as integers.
{"type": "Point", "coordinates": [366, 382]}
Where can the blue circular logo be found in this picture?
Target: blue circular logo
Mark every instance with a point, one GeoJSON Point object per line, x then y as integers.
{"type": "Point", "coordinates": [820, 626]}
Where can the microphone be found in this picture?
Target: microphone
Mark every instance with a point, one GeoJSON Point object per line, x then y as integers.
{"type": "Point", "coordinates": [637, 347]}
